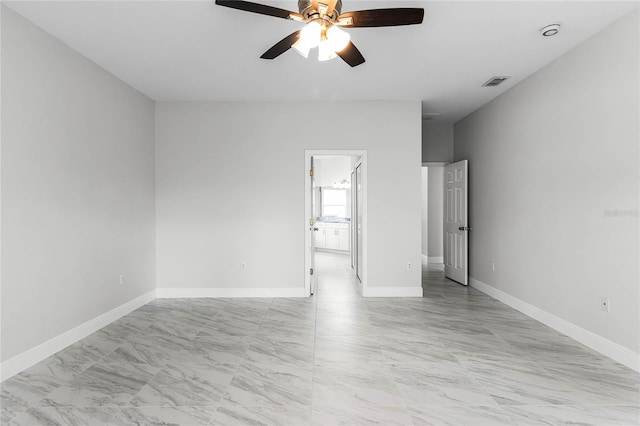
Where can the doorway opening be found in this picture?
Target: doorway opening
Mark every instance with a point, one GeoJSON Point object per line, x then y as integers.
{"type": "Point", "coordinates": [335, 226]}
{"type": "Point", "coordinates": [445, 223]}
{"type": "Point", "coordinates": [432, 222]}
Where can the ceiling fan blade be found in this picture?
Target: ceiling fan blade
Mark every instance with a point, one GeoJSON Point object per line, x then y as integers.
{"type": "Point", "coordinates": [351, 55]}
{"type": "Point", "coordinates": [262, 9]}
{"type": "Point", "coordinates": [381, 17]}
{"type": "Point", "coordinates": [282, 46]}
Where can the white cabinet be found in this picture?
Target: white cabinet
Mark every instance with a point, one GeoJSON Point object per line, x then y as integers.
{"type": "Point", "coordinates": [321, 235]}
{"type": "Point", "coordinates": [343, 239]}
{"type": "Point", "coordinates": [333, 236]}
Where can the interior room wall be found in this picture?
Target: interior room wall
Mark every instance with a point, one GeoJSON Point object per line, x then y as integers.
{"type": "Point", "coordinates": [437, 141]}
{"type": "Point", "coordinates": [554, 184]}
{"type": "Point", "coordinates": [332, 169]}
{"type": "Point", "coordinates": [435, 215]}
{"type": "Point", "coordinates": [230, 190]}
{"type": "Point", "coordinates": [77, 189]}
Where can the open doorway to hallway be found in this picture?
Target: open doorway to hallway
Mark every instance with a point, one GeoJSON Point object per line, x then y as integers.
{"type": "Point", "coordinates": [335, 202]}
{"type": "Point", "coordinates": [336, 278]}
{"type": "Point", "coordinates": [432, 221]}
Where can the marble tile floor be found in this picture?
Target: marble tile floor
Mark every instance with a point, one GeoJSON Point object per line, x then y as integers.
{"type": "Point", "coordinates": [453, 357]}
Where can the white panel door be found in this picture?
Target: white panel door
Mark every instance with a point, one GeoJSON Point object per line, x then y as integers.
{"type": "Point", "coordinates": [359, 206]}
{"type": "Point", "coordinates": [456, 223]}
{"type": "Point", "coordinates": [352, 234]}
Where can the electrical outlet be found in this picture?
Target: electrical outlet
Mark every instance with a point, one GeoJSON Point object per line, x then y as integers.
{"type": "Point", "coordinates": [493, 267]}
{"type": "Point", "coordinates": [604, 304]}
{"type": "Point", "coordinates": [243, 266]}
{"type": "Point", "coordinates": [121, 279]}
{"type": "Point", "coordinates": [409, 265]}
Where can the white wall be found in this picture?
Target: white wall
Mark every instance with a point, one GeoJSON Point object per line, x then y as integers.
{"type": "Point", "coordinates": [547, 161]}
{"type": "Point", "coordinates": [435, 213]}
{"type": "Point", "coordinates": [230, 190]}
{"type": "Point", "coordinates": [437, 141]}
{"type": "Point", "coordinates": [77, 189]}
{"type": "Point", "coordinates": [331, 169]}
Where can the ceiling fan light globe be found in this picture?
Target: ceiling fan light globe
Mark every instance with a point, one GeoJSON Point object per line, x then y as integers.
{"type": "Point", "coordinates": [302, 48]}
{"type": "Point", "coordinates": [325, 51]}
{"type": "Point", "coordinates": [311, 33]}
{"type": "Point", "coordinates": [337, 38]}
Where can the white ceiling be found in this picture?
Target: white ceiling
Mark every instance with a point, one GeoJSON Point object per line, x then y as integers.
{"type": "Point", "coordinates": [197, 51]}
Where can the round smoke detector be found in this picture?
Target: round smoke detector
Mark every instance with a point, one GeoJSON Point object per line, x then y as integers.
{"type": "Point", "coordinates": [550, 30]}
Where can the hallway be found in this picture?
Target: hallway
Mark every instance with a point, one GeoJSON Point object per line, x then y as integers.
{"type": "Point", "coordinates": [336, 279]}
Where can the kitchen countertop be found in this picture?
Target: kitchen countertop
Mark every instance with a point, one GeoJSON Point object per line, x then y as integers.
{"type": "Point", "coordinates": [333, 219]}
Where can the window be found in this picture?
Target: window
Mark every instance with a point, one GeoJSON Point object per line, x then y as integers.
{"type": "Point", "coordinates": [334, 202]}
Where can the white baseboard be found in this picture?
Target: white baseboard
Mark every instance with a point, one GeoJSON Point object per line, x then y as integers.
{"type": "Point", "coordinates": [21, 362]}
{"type": "Point", "coordinates": [596, 342]}
{"type": "Point", "coordinates": [435, 259]}
{"type": "Point", "coordinates": [392, 292]}
{"type": "Point", "coordinates": [177, 293]}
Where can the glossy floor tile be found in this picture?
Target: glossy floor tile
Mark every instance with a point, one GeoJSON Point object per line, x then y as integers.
{"type": "Point", "coordinates": [453, 357]}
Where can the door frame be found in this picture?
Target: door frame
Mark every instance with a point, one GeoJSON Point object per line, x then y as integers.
{"type": "Point", "coordinates": [358, 168]}
{"type": "Point", "coordinates": [428, 165]}
{"type": "Point", "coordinates": [352, 233]}
{"type": "Point", "coordinates": [308, 153]}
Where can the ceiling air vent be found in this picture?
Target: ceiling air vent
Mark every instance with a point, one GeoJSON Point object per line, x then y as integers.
{"type": "Point", "coordinates": [494, 81]}
{"type": "Point", "coordinates": [427, 116]}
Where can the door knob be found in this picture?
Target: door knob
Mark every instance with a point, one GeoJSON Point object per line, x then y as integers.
{"type": "Point", "coordinates": [315, 229]}
{"type": "Point", "coordinates": [464, 228]}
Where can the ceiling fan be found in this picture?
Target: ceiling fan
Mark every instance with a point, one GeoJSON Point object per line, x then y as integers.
{"type": "Point", "coordinates": [323, 19]}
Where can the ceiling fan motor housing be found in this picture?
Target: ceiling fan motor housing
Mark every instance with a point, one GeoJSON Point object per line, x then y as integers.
{"type": "Point", "coordinates": [306, 9]}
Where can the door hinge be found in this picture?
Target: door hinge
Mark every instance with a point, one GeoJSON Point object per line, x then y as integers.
{"type": "Point", "coordinates": [310, 271]}
{"type": "Point", "coordinates": [311, 172]}
{"type": "Point", "coordinates": [310, 222]}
